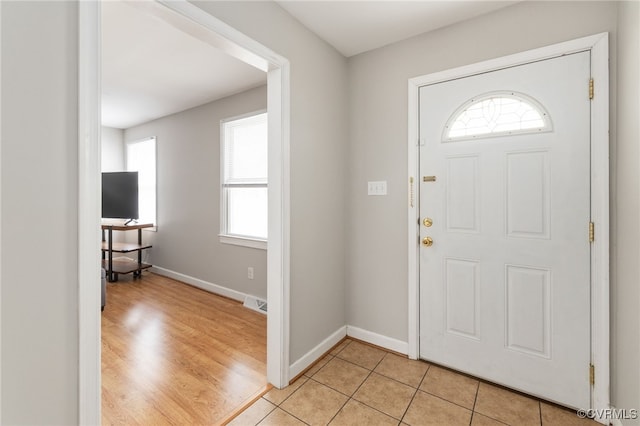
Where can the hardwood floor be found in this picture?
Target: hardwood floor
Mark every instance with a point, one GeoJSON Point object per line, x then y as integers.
{"type": "Point", "coordinates": [175, 354]}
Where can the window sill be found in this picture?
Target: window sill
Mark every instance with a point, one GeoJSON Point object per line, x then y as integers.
{"type": "Point", "coordinates": [245, 242]}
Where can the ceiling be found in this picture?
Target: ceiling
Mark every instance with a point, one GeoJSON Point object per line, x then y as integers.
{"type": "Point", "coordinates": [151, 69]}
{"type": "Point", "coordinates": [356, 26]}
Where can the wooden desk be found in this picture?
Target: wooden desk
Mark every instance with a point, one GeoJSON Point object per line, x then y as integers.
{"type": "Point", "coordinates": [115, 267]}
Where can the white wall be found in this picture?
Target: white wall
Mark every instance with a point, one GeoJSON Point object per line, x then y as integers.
{"type": "Point", "coordinates": [112, 144]}
{"type": "Point", "coordinates": [39, 213]}
{"type": "Point", "coordinates": [188, 181]}
{"type": "Point", "coordinates": [377, 268]}
{"type": "Point", "coordinates": [318, 165]}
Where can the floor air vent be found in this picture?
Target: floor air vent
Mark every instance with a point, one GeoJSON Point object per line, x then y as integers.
{"type": "Point", "coordinates": [256, 304]}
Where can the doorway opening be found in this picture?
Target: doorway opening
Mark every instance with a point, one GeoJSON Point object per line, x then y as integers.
{"type": "Point", "coordinates": [208, 29]}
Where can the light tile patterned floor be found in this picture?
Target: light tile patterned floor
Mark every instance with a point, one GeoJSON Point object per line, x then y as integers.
{"type": "Point", "coordinates": [358, 384]}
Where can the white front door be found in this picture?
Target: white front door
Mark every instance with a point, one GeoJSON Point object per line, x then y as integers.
{"type": "Point", "coordinates": [505, 186]}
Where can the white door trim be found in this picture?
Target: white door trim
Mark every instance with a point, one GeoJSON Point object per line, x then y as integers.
{"type": "Point", "coordinates": [89, 351]}
{"type": "Point", "coordinates": [0, 216]}
{"type": "Point", "coordinates": [233, 42]}
{"type": "Point", "coordinates": [598, 45]}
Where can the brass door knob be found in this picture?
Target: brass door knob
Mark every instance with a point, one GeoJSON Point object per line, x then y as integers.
{"type": "Point", "coordinates": [427, 241]}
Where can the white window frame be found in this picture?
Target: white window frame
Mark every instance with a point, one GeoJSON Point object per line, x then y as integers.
{"type": "Point", "coordinates": [155, 177]}
{"type": "Point", "coordinates": [224, 236]}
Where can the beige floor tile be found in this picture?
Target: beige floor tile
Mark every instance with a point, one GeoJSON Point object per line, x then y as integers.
{"type": "Point", "coordinates": [402, 369]}
{"type": "Point", "coordinates": [280, 418]}
{"type": "Point", "coordinates": [341, 375]}
{"type": "Point", "coordinates": [426, 409]}
{"type": "Point", "coordinates": [451, 386]}
{"type": "Point", "coordinates": [318, 365]}
{"type": "Point", "coordinates": [314, 403]}
{"type": "Point", "coordinates": [277, 396]}
{"type": "Point", "coordinates": [381, 397]}
{"type": "Point", "coordinates": [364, 355]}
{"type": "Point", "coordinates": [480, 420]}
{"type": "Point", "coordinates": [506, 406]}
{"type": "Point", "coordinates": [554, 415]}
{"type": "Point", "coordinates": [385, 394]}
{"type": "Point", "coordinates": [254, 414]}
{"type": "Point", "coordinates": [355, 414]}
{"type": "Point", "coordinates": [340, 347]}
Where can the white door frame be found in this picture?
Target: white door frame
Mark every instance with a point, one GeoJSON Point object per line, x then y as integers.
{"type": "Point", "coordinates": [598, 45]}
{"type": "Point", "coordinates": [0, 215]}
{"type": "Point", "coordinates": [182, 14]}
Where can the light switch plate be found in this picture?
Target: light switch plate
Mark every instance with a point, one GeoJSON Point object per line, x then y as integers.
{"type": "Point", "coordinates": [377, 188]}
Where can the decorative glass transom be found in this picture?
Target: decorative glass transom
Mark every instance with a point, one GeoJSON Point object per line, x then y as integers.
{"type": "Point", "coordinates": [495, 114]}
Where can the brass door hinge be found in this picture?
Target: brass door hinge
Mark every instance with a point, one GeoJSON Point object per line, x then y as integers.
{"type": "Point", "coordinates": [592, 232]}
{"type": "Point", "coordinates": [592, 374]}
{"type": "Point", "coordinates": [591, 89]}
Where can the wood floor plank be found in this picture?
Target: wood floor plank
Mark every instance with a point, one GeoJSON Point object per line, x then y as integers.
{"type": "Point", "coordinates": [175, 354]}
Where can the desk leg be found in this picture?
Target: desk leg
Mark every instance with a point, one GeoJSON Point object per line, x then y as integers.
{"type": "Point", "coordinates": [138, 273]}
{"type": "Point", "coordinates": [110, 273]}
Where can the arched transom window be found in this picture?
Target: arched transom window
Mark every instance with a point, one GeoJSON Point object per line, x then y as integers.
{"type": "Point", "coordinates": [495, 114]}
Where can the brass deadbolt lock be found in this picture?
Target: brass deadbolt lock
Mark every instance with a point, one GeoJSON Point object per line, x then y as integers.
{"type": "Point", "coordinates": [427, 222]}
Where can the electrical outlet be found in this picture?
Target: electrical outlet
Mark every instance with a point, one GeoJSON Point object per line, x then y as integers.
{"type": "Point", "coordinates": [250, 272]}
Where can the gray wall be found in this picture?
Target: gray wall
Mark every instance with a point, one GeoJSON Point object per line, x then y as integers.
{"type": "Point", "coordinates": [625, 230]}
{"type": "Point", "coordinates": [377, 267]}
{"type": "Point", "coordinates": [39, 180]}
{"type": "Point", "coordinates": [39, 213]}
{"type": "Point", "coordinates": [188, 181]}
{"type": "Point", "coordinates": [319, 125]}
{"type": "Point", "coordinates": [112, 144]}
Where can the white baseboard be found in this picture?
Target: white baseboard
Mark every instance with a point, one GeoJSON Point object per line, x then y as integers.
{"type": "Point", "coordinates": [196, 282]}
{"type": "Point", "coordinates": [378, 339]}
{"type": "Point", "coordinates": [314, 354]}
{"type": "Point", "coordinates": [357, 333]}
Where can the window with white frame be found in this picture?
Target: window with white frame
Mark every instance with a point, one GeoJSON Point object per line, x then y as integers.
{"type": "Point", "coordinates": [141, 158]}
{"type": "Point", "coordinates": [244, 180]}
